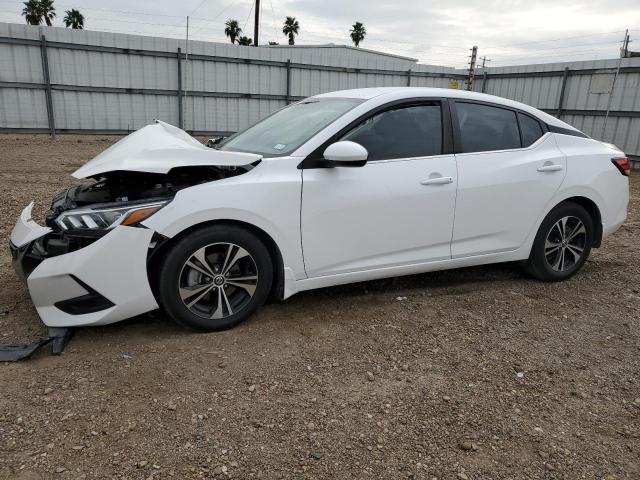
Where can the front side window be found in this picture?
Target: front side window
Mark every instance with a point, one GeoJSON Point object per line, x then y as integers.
{"type": "Point", "coordinates": [287, 129]}
{"type": "Point", "coordinates": [484, 128]}
{"type": "Point", "coordinates": [405, 132]}
{"type": "Point", "coordinates": [530, 129]}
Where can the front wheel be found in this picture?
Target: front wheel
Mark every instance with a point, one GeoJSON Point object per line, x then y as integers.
{"type": "Point", "coordinates": [215, 278]}
{"type": "Point", "coordinates": [562, 243]}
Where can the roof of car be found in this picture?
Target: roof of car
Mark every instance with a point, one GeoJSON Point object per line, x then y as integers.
{"type": "Point", "coordinates": [396, 93]}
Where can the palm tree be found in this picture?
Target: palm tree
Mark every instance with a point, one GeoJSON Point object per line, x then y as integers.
{"type": "Point", "coordinates": [245, 41]}
{"type": "Point", "coordinates": [48, 11]}
{"type": "Point", "coordinates": [74, 19]}
{"type": "Point", "coordinates": [232, 30]}
{"type": "Point", "coordinates": [358, 33]}
{"type": "Point", "coordinates": [32, 12]}
{"type": "Point", "coordinates": [291, 28]}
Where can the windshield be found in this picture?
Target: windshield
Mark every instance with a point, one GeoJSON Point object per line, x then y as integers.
{"type": "Point", "coordinates": [287, 129]}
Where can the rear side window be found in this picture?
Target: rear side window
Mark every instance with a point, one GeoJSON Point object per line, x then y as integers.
{"type": "Point", "coordinates": [530, 129]}
{"type": "Point", "coordinates": [484, 128]}
{"type": "Point", "coordinates": [405, 132]}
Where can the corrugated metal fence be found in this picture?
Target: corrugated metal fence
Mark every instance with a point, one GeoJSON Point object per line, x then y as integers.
{"type": "Point", "coordinates": [73, 81]}
{"type": "Point", "coordinates": [54, 79]}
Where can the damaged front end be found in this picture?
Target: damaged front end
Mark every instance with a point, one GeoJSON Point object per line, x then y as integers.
{"type": "Point", "coordinates": [83, 214]}
{"type": "Point", "coordinates": [88, 265]}
{"type": "Point", "coordinates": [80, 215]}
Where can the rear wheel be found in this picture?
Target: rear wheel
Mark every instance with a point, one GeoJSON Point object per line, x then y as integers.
{"type": "Point", "coordinates": [562, 244]}
{"type": "Point", "coordinates": [215, 278]}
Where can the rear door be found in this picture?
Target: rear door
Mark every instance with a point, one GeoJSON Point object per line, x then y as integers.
{"type": "Point", "coordinates": [395, 210]}
{"type": "Point", "coordinates": [508, 170]}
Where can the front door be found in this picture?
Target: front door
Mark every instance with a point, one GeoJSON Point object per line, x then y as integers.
{"type": "Point", "coordinates": [396, 210]}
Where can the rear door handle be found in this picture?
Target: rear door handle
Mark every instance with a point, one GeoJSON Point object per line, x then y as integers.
{"type": "Point", "coordinates": [437, 181]}
{"type": "Point", "coordinates": [550, 168]}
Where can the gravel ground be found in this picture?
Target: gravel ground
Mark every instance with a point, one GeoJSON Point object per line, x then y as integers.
{"type": "Point", "coordinates": [478, 373]}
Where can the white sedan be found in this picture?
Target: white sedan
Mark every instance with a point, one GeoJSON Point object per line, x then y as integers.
{"type": "Point", "coordinates": [341, 187]}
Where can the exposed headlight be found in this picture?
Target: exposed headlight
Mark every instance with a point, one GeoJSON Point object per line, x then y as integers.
{"type": "Point", "coordinates": [106, 218]}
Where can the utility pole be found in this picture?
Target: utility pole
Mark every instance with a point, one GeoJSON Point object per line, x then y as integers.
{"type": "Point", "coordinates": [631, 53]}
{"type": "Point", "coordinates": [256, 27]}
{"type": "Point", "coordinates": [186, 72]}
{"type": "Point", "coordinates": [484, 60]}
{"type": "Point", "coordinates": [624, 51]}
{"type": "Point", "coordinates": [613, 84]}
{"type": "Point", "coordinates": [472, 67]}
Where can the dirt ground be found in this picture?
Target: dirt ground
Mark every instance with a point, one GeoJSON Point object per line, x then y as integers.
{"type": "Point", "coordinates": [479, 373]}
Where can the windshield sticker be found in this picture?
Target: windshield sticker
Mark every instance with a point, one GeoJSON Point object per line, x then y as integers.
{"type": "Point", "coordinates": [279, 146]}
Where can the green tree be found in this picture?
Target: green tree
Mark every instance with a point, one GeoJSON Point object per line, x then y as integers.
{"type": "Point", "coordinates": [357, 33]}
{"type": "Point", "coordinates": [32, 12]}
{"type": "Point", "coordinates": [291, 28]}
{"type": "Point", "coordinates": [232, 30]}
{"type": "Point", "coordinates": [74, 19]}
{"type": "Point", "coordinates": [245, 41]}
{"type": "Point", "coordinates": [48, 11]}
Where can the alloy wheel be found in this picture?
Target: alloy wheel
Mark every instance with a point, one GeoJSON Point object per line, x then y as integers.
{"type": "Point", "coordinates": [218, 280]}
{"type": "Point", "coordinates": [565, 243]}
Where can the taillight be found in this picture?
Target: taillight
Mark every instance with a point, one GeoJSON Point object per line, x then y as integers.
{"type": "Point", "coordinates": [623, 164]}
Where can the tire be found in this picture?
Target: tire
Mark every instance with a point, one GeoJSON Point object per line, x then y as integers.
{"type": "Point", "coordinates": [215, 278]}
{"type": "Point", "coordinates": [558, 255]}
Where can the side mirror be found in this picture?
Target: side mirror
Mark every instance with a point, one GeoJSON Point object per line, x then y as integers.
{"type": "Point", "coordinates": [346, 154]}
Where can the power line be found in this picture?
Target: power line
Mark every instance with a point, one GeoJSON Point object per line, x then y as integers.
{"type": "Point", "coordinates": [213, 20]}
{"type": "Point", "coordinates": [544, 54]}
{"type": "Point", "coordinates": [554, 39]}
{"type": "Point", "coordinates": [564, 47]}
{"type": "Point", "coordinates": [119, 20]}
{"type": "Point", "coordinates": [527, 60]}
{"type": "Point", "coordinates": [323, 35]}
{"type": "Point", "coordinates": [195, 9]}
{"type": "Point", "coordinates": [380, 40]}
{"type": "Point", "coordinates": [248, 17]}
{"type": "Point", "coordinates": [135, 22]}
{"type": "Point", "coordinates": [129, 12]}
{"type": "Point", "coordinates": [273, 19]}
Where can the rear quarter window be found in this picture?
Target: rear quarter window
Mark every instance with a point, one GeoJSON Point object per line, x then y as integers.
{"type": "Point", "coordinates": [530, 129]}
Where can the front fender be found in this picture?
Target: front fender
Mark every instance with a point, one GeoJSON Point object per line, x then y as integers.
{"type": "Point", "coordinates": [267, 198]}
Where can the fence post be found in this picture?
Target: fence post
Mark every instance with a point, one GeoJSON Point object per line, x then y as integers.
{"type": "Point", "coordinates": [47, 81]}
{"type": "Point", "coordinates": [565, 76]}
{"type": "Point", "coordinates": [180, 109]}
{"type": "Point", "coordinates": [484, 82]}
{"type": "Point", "coordinates": [409, 78]}
{"type": "Point", "coordinates": [288, 88]}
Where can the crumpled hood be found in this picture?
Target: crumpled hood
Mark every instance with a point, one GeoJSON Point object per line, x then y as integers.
{"type": "Point", "coordinates": [158, 148]}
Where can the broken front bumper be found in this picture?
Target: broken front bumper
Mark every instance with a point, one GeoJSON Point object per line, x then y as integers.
{"type": "Point", "coordinates": [101, 283]}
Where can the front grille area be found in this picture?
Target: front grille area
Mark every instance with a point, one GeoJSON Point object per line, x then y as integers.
{"type": "Point", "coordinates": [24, 260]}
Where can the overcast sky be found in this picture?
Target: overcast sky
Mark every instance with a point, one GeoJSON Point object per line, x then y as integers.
{"type": "Point", "coordinates": [507, 32]}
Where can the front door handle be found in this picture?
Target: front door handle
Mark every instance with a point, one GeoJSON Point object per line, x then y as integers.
{"type": "Point", "coordinates": [550, 168]}
{"type": "Point", "coordinates": [437, 181]}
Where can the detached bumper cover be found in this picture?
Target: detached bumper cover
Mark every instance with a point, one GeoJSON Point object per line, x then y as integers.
{"type": "Point", "coordinates": [108, 277]}
{"type": "Point", "coordinates": [26, 230]}
{"type": "Point", "coordinates": [57, 336]}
